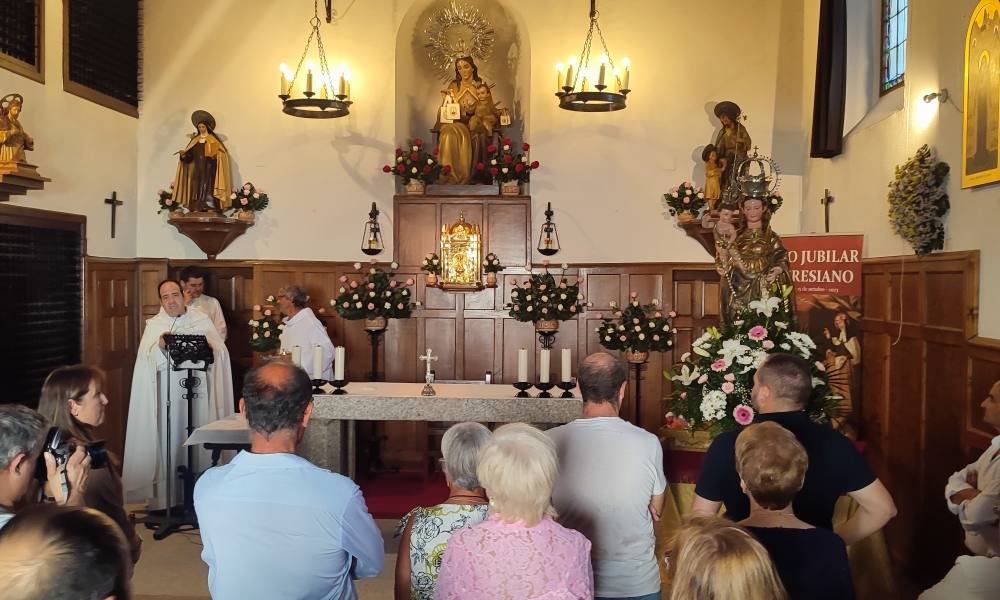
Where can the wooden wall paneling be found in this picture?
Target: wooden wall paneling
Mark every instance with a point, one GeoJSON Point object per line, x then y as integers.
{"type": "Point", "coordinates": [875, 300]}
{"type": "Point", "coordinates": [517, 335]}
{"type": "Point", "coordinates": [440, 336]}
{"type": "Point", "coordinates": [943, 428]}
{"type": "Point", "coordinates": [875, 391]}
{"type": "Point", "coordinates": [509, 232]}
{"type": "Point", "coordinates": [111, 337]}
{"type": "Point", "coordinates": [479, 347]}
{"type": "Point", "coordinates": [983, 371]}
{"type": "Point", "coordinates": [415, 230]}
{"type": "Point", "coordinates": [484, 300]}
{"type": "Point", "coordinates": [601, 288]}
{"type": "Point", "coordinates": [150, 273]}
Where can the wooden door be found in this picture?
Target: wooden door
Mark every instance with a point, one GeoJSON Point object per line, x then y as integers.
{"type": "Point", "coordinates": [111, 337]}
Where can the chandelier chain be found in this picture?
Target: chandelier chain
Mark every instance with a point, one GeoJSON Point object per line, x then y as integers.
{"type": "Point", "coordinates": [585, 52]}
{"type": "Point", "coordinates": [314, 22]}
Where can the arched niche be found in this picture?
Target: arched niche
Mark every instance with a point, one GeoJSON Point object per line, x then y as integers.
{"type": "Point", "coordinates": [418, 83]}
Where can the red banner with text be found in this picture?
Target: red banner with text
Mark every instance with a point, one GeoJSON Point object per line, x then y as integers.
{"type": "Point", "coordinates": [826, 270]}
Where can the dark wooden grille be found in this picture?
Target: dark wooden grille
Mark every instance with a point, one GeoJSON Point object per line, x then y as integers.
{"type": "Point", "coordinates": [40, 306]}
{"type": "Point", "coordinates": [102, 42]}
{"type": "Point", "coordinates": [19, 30]}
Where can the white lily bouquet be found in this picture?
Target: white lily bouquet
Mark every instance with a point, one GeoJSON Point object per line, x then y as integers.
{"type": "Point", "coordinates": [712, 383]}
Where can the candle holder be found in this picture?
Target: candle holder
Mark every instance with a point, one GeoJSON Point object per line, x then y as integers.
{"type": "Point", "coordinates": [523, 386]}
{"type": "Point", "coordinates": [566, 386]}
{"type": "Point", "coordinates": [318, 386]}
{"type": "Point", "coordinates": [339, 385]}
{"type": "Point", "coordinates": [544, 388]}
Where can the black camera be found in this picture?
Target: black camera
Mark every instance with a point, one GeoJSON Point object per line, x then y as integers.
{"type": "Point", "coordinates": [60, 445]}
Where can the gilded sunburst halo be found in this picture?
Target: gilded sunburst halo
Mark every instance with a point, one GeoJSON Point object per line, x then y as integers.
{"type": "Point", "coordinates": [455, 31]}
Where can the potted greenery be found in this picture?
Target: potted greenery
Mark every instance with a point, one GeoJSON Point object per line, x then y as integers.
{"type": "Point", "coordinates": [375, 297]}
{"type": "Point", "coordinates": [491, 266]}
{"type": "Point", "coordinates": [416, 167]}
{"type": "Point", "coordinates": [266, 328]}
{"type": "Point", "coordinates": [432, 266]}
{"type": "Point", "coordinates": [543, 300]}
{"type": "Point", "coordinates": [248, 200]}
{"type": "Point", "coordinates": [684, 201]}
{"type": "Point", "coordinates": [637, 329]}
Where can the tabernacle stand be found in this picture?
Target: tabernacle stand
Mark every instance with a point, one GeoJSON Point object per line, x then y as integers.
{"type": "Point", "coordinates": [189, 353]}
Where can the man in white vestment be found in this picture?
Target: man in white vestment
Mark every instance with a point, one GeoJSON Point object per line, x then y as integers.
{"type": "Point", "coordinates": [304, 330]}
{"type": "Point", "coordinates": [145, 468]}
{"type": "Point", "coordinates": [193, 285]}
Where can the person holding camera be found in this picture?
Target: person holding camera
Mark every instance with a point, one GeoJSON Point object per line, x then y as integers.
{"type": "Point", "coordinates": [73, 400]}
{"type": "Point", "coordinates": [23, 433]}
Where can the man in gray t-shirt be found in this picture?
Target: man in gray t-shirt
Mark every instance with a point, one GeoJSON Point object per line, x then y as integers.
{"type": "Point", "coordinates": [611, 484]}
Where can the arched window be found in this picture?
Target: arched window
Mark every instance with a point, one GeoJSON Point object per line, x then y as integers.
{"type": "Point", "coordinates": [894, 25]}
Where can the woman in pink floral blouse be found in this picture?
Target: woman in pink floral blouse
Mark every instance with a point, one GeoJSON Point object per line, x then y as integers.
{"type": "Point", "coordinates": [519, 552]}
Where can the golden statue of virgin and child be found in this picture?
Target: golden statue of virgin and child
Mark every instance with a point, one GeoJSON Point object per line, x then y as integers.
{"type": "Point", "coordinates": [750, 258]}
{"type": "Point", "coordinates": [466, 124]}
{"type": "Point", "coordinates": [203, 181]}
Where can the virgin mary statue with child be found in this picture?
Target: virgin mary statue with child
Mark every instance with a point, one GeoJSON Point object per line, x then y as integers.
{"type": "Point", "coordinates": [464, 134]}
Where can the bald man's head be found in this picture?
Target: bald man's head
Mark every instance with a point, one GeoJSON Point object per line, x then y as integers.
{"type": "Point", "coordinates": [601, 377]}
{"type": "Point", "coordinates": [276, 395]}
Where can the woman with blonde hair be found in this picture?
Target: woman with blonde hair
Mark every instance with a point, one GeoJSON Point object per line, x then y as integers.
{"type": "Point", "coordinates": [73, 399]}
{"type": "Point", "coordinates": [713, 559]}
{"type": "Point", "coordinates": [519, 552]}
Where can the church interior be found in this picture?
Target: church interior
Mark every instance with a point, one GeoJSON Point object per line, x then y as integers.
{"type": "Point", "coordinates": [456, 155]}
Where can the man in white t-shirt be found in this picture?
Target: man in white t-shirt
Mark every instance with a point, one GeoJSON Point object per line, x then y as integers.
{"type": "Point", "coordinates": [611, 484]}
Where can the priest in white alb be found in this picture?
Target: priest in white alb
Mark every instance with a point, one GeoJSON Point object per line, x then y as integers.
{"type": "Point", "coordinates": [193, 286]}
{"type": "Point", "coordinates": [304, 330]}
{"type": "Point", "coordinates": [145, 466]}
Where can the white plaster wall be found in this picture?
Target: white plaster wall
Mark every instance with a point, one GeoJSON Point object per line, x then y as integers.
{"type": "Point", "coordinates": [859, 178]}
{"type": "Point", "coordinates": [603, 173]}
{"type": "Point", "coordinates": [87, 150]}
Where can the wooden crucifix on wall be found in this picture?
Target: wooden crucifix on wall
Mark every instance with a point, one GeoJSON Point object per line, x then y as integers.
{"type": "Point", "coordinates": [114, 202]}
{"type": "Point", "coordinates": [826, 200]}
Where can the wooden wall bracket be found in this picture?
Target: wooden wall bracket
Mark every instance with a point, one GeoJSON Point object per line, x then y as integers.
{"type": "Point", "coordinates": [17, 178]}
{"type": "Point", "coordinates": [210, 232]}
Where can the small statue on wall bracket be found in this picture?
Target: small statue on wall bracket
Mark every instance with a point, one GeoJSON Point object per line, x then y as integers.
{"type": "Point", "coordinates": [17, 175]}
{"type": "Point", "coordinates": [203, 182]}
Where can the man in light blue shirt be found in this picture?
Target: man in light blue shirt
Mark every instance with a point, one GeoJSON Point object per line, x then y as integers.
{"type": "Point", "coordinates": [273, 524]}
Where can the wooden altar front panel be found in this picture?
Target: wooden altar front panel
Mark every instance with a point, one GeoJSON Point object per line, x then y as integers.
{"type": "Point", "coordinates": [504, 221]}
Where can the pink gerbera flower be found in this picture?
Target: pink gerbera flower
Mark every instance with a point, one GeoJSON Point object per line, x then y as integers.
{"type": "Point", "coordinates": [719, 365]}
{"type": "Point", "coordinates": [757, 333]}
{"type": "Point", "coordinates": [743, 414]}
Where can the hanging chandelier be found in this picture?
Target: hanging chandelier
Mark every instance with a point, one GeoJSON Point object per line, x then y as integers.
{"type": "Point", "coordinates": [583, 89]}
{"type": "Point", "coordinates": [333, 99]}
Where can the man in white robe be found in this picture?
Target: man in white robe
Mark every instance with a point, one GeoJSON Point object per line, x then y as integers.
{"type": "Point", "coordinates": [304, 330]}
{"type": "Point", "coordinates": [145, 466]}
{"type": "Point", "coordinates": [193, 284]}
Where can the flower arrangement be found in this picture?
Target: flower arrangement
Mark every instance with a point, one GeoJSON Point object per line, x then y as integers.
{"type": "Point", "coordinates": [637, 327]}
{"type": "Point", "coordinates": [416, 163]}
{"type": "Point", "coordinates": [684, 198]}
{"type": "Point", "coordinates": [774, 202]}
{"type": "Point", "coordinates": [918, 202]}
{"type": "Point", "coordinates": [375, 295]}
{"type": "Point", "coordinates": [248, 198]}
{"type": "Point", "coordinates": [504, 165]}
{"type": "Point", "coordinates": [266, 329]}
{"type": "Point", "coordinates": [542, 298]}
{"type": "Point", "coordinates": [712, 383]}
{"type": "Point", "coordinates": [431, 264]}
{"type": "Point", "coordinates": [491, 264]}
{"type": "Point", "coordinates": [165, 198]}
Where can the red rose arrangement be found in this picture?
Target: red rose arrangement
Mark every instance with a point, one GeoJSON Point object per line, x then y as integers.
{"type": "Point", "coordinates": [413, 162]}
{"type": "Point", "coordinates": [504, 165]}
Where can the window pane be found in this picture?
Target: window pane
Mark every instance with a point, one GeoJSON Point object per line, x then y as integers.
{"type": "Point", "coordinates": [901, 59]}
{"type": "Point", "coordinates": [893, 7]}
{"type": "Point", "coordinates": [891, 65]}
{"type": "Point", "coordinates": [893, 32]}
{"type": "Point", "coordinates": [902, 25]}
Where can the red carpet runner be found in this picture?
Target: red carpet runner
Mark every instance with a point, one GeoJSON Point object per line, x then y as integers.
{"type": "Point", "coordinates": [392, 495]}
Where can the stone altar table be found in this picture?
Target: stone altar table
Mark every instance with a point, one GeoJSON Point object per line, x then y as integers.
{"type": "Point", "coordinates": [329, 439]}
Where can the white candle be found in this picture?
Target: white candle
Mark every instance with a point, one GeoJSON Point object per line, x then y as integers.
{"type": "Point", "coordinates": [522, 365]}
{"type": "Point", "coordinates": [559, 77]}
{"type": "Point", "coordinates": [600, 76]}
{"type": "Point", "coordinates": [543, 367]}
{"type": "Point", "coordinates": [317, 362]}
{"type": "Point", "coordinates": [338, 364]}
{"type": "Point", "coordinates": [569, 73]}
{"type": "Point", "coordinates": [297, 356]}
{"type": "Point", "coordinates": [626, 64]}
{"type": "Point", "coordinates": [342, 85]}
{"type": "Point", "coordinates": [284, 79]}
{"type": "Point", "coordinates": [567, 369]}
{"type": "Point", "coordinates": [309, 77]}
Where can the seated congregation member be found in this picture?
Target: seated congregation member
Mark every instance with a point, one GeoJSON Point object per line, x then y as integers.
{"type": "Point", "coordinates": [611, 484]}
{"type": "Point", "coordinates": [273, 524]}
{"type": "Point", "coordinates": [73, 399]}
{"type": "Point", "coordinates": [811, 561]}
{"type": "Point", "coordinates": [22, 437]}
{"type": "Point", "coordinates": [519, 552]}
{"type": "Point", "coordinates": [713, 559]}
{"type": "Point", "coordinates": [63, 553]}
{"type": "Point", "coordinates": [782, 386]}
{"type": "Point", "coordinates": [972, 578]}
{"type": "Point", "coordinates": [425, 531]}
{"type": "Point", "coordinates": [973, 493]}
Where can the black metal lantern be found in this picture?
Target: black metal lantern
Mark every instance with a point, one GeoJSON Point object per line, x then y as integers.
{"type": "Point", "coordinates": [371, 242]}
{"type": "Point", "coordinates": [548, 238]}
